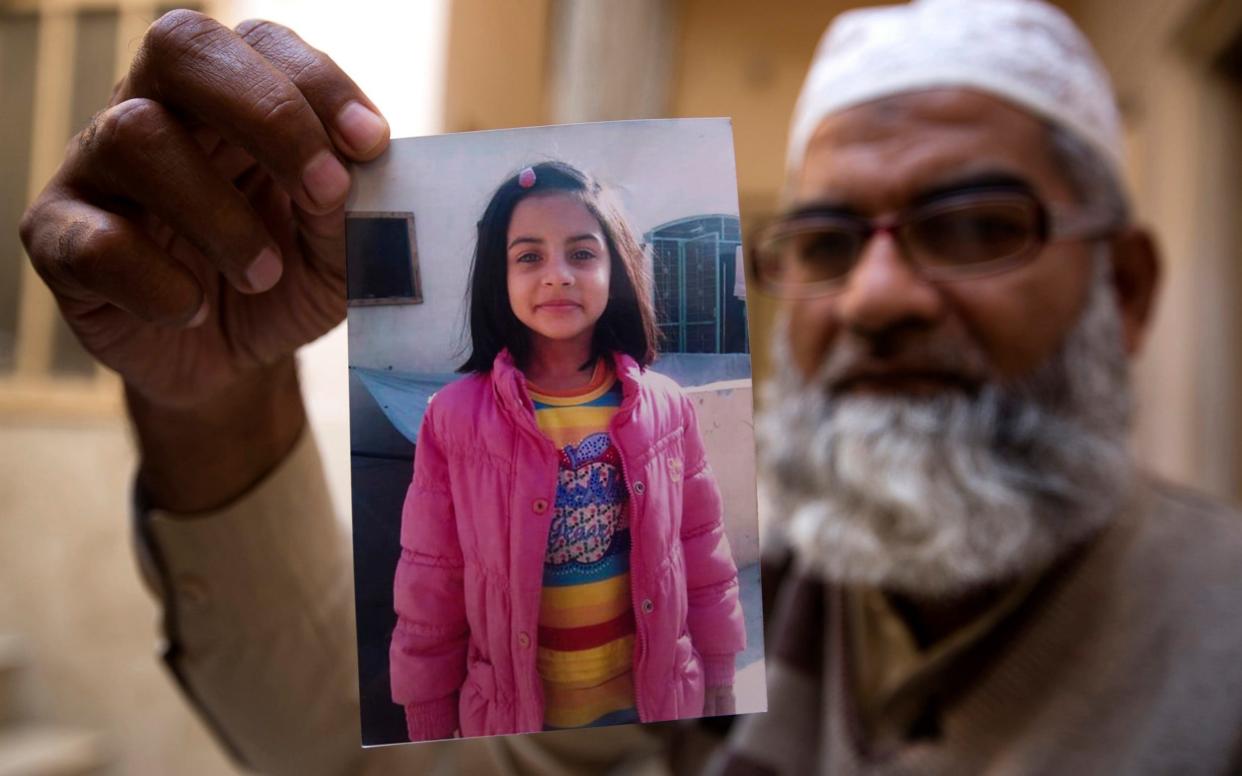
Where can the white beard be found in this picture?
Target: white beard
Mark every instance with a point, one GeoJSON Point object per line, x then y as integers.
{"type": "Point", "coordinates": [935, 496]}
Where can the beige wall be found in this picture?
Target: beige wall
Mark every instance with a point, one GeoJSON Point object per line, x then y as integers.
{"type": "Point", "coordinates": [724, 415]}
{"type": "Point", "coordinates": [497, 64]}
{"type": "Point", "coordinates": [1182, 123]}
{"type": "Point", "coordinates": [746, 60]}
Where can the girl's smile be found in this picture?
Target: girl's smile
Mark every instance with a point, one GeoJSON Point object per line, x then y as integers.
{"type": "Point", "coordinates": [557, 305]}
{"type": "Point", "coordinates": [559, 269]}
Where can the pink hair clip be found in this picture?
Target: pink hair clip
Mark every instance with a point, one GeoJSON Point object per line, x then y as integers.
{"type": "Point", "coordinates": [526, 178]}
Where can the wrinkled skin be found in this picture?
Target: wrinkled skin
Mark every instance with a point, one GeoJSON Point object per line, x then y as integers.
{"type": "Point", "coordinates": [882, 157]}
{"type": "Point", "coordinates": [194, 239]}
{"type": "Point", "coordinates": [201, 162]}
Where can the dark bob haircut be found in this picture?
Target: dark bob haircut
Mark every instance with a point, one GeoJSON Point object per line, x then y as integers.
{"type": "Point", "coordinates": [628, 322]}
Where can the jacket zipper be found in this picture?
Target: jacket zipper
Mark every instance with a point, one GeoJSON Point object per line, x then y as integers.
{"type": "Point", "coordinates": [531, 427]}
{"type": "Point", "coordinates": [640, 651]}
{"type": "Point", "coordinates": [625, 410]}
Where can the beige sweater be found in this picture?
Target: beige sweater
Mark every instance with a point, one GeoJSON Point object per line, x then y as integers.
{"type": "Point", "coordinates": [1128, 660]}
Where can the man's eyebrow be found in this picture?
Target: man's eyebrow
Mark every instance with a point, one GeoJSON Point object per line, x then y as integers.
{"type": "Point", "coordinates": [963, 184]}
{"type": "Point", "coordinates": [821, 207]}
{"type": "Point", "coordinates": [971, 182]}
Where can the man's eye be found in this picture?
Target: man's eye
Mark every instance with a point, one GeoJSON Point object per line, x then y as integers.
{"type": "Point", "coordinates": [825, 254]}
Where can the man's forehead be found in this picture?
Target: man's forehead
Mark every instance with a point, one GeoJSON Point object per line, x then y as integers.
{"type": "Point", "coordinates": [885, 153]}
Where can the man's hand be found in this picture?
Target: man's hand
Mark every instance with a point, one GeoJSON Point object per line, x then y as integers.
{"type": "Point", "coordinates": [194, 239]}
{"type": "Point", "coordinates": [195, 230]}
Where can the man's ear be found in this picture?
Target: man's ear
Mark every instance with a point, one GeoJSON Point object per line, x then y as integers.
{"type": "Point", "coordinates": [1136, 277]}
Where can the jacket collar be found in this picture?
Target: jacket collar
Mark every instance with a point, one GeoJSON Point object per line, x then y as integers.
{"type": "Point", "coordinates": [509, 383]}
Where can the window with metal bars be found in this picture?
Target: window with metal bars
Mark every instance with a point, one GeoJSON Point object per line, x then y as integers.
{"type": "Point", "coordinates": [699, 304]}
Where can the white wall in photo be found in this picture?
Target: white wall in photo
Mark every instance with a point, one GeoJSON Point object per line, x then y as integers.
{"type": "Point", "coordinates": [659, 170]}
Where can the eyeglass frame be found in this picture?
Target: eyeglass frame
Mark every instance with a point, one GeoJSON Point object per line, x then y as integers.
{"type": "Point", "coordinates": [1054, 223]}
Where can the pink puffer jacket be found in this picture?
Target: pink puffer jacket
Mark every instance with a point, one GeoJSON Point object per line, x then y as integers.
{"type": "Point", "coordinates": [474, 532]}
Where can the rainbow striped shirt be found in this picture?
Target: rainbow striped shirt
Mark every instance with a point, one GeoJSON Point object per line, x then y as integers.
{"type": "Point", "coordinates": [586, 618]}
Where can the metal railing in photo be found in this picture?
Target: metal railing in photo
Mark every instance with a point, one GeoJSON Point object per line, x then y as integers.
{"type": "Point", "coordinates": [694, 266]}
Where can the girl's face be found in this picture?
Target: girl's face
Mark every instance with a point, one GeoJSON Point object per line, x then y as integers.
{"type": "Point", "coordinates": [558, 267]}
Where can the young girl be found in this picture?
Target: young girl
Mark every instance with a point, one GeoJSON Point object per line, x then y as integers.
{"type": "Point", "coordinates": [564, 562]}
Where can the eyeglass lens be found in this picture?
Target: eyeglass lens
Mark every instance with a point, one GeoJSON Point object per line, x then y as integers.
{"type": "Point", "coordinates": [947, 238]}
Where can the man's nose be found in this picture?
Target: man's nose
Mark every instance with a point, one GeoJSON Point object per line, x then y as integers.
{"type": "Point", "coordinates": [885, 292]}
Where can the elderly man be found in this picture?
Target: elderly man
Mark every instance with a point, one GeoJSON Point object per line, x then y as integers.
{"type": "Point", "coordinates": [970, 574]}
{"type": "Point", "coordinates": [978, 577]}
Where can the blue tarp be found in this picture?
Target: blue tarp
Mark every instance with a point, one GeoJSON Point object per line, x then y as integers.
{"type": "Point", "coordinates": [691, 369]}
{"type": "Point", "coordinates": [402, 396]}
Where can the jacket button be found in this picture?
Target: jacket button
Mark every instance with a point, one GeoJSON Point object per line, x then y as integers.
{"type": "Point", "coordinates": [524, 640]}
{"type": "Point", "coordinates": [539, 505]}
{"type": "Point", "coordinates": [648, 607]}
{"type": "Point", "coordinates": [640, 488]}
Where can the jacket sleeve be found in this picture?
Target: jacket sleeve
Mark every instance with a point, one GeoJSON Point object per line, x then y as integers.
{"type": "Point", "coordinates": [427, 656]}
{"type": "Point", "coordinates": [717, 628]}
{"type": "Point", "coordinates": [258, 625]}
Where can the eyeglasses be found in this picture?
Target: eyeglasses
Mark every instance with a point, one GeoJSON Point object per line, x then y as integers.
{"type": "Point", "coordinates": [957, 236]}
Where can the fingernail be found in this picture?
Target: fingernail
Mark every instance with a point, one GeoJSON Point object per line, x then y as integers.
{"type": "Point", "coordinates": [361, 127]}
{"type": "Point", "coordinates": [264, 271]}
{"type": "Point", "coordinates": [199, 317]}
{"type": "Point", "coordinates": [325, 180]}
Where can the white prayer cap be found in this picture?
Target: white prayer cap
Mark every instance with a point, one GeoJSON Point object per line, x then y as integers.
{"type": "Point", "coordinates": [1024, 51]}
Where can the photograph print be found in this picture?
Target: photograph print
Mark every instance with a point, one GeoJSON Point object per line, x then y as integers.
{"type": "Point", "coordinates": [553, 485]}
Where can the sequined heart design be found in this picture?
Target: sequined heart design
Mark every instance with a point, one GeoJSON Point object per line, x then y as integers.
{"type": "Point", "coordinates": [589, 503]}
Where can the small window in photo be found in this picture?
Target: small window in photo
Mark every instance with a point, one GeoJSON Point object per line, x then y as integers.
{"type": "Point", "coordinates": [386, 271]}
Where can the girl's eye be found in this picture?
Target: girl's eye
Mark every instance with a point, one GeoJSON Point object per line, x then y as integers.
{"type": "Point", "coordinates": [527, 258]}
{"type": "Point", "coordinates": [583, 255]}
